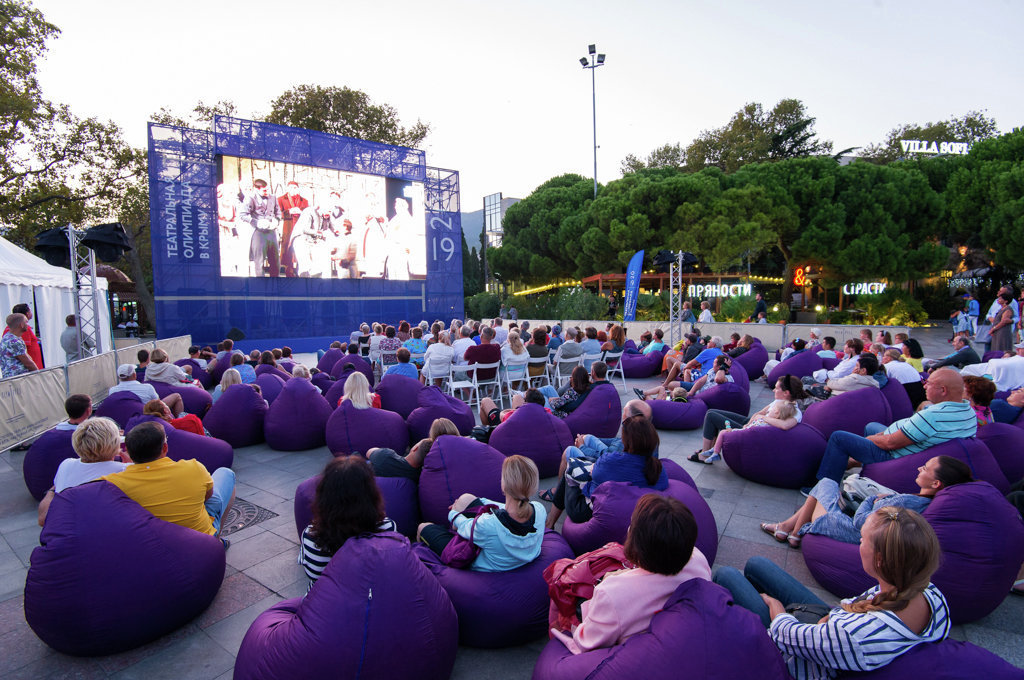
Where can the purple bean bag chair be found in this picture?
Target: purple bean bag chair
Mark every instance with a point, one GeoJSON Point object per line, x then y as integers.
{"type": "Point", "coordinates": [899, 401]}
{"type": "Point", "coordinates": [286, 365]}
{"type": "Point", "coordinates": [432, 404]}
{"type": "Point", "coordinates": [675, 471]}
{"type": "Point", "coordinates": [196, 399]}
{"type": "Point", "coordinates": [849, 412]}
{"type": "Point", "coordinates": [499, 609]}
{"type": "Point", "coordinates": [297, 419]}
{"type": "Point", "coordinates": [361, 365]}
{"type": "Point", "coordinates": [120, 407]}
{"type": "Point", "coordinates": [629, 344]}
{"type": "Point", "coordinates": [673, 415]}
{"type": "Point", "coordinates": [329, 358]}
{"type": "Point", "coordinates": [642, 365]}
{"type": "Point", "coordinates": [801, 365]}
{"type": "Point", "coordinates": [946, 660]}
{"type": "Point", "coordinates": [990, 355]}
{"type": "Point", "coordinates": [1006, 444]}
{"type": "Point", "coordinates": [599, 414]}
{"type": "Point", "coordinates": [336, 391]}
{"type": "Point", "coordinates": [533, 432]}
{"type": "Point", "coordinates": [899, 474]}
{"type": "Point", "coordinates": [454, 466]}
{"type": "Point", "coordinates": [399, 394]}
{"type": "Point", "coordinates": [753, 360]}
{"type": "Point", "coordinates": [323, 381]}
{"type": "Point", "coordinates": [270, 386]}
{"type": "Point", "coordinates": [267, 369]}
{"type": "Point", "coordinates": [740, 376]}
{"type": "Point", "coordinates": [725, 397]}
{"type": "Point", "coordinates": [237, 417]}
{"type": "Point", "coordinates": [213, 453]}
{"type": "Point", "coordinates": [43, 458]}
{"type": "Point", "coordinates": [89, 525]}
{"type": "Point", "coordinates": [217, 372]}
{"type": "Point", "coordinates": [375, 612]}
{"type": "Point", "coordinates": [681, 642]}
{"type": "Point", "coordinates": [768, 455]}
{"type": "Point", "coordinates": [829, 364]}
{"type": "Point", "coordinates": [198, 373]}
{"type": "Point", "coordinates": [400, 503]}
{"type": "Point", "coordinates": [613, 507]}
{"type": "Point", "coordinates": [353, 430]}
{"type": "Point", "coordinates": [982, 539]}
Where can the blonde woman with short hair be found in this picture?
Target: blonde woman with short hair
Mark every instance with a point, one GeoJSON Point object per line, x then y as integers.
{"type": "Point", "coordinates": [230, 377]}
{"type": "Point", "coordinates": [96, 441]}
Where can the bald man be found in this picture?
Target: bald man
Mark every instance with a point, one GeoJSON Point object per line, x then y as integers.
{"type": "Point", "coordinates": [949, 417]}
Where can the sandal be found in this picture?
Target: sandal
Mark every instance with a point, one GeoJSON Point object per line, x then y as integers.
{"type": "Point", "coordinates": [548, 495]}
{"type": "Point", "coordinates": [697, 459]}
{"type": "Point", "coordinates": [774, 531]}
{"type": "Point", "coordinates": [1018, 587]}
{"type": "Point", "coordinates": [639, 394]}
{"type": "Point", "coordinates": [794, 540]}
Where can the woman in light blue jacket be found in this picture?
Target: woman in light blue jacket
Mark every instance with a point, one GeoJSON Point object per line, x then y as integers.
{"type": "Point", "coordinates": [509, 536]}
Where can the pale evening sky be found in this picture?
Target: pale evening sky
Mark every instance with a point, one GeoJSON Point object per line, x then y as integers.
{"type": "Point", "coordinates": [501, 83]}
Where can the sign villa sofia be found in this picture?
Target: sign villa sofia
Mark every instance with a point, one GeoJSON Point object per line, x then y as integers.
{"type": "Point", "coordinates": [918, 146]}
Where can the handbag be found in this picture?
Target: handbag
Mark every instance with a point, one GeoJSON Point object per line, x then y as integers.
{"type": "Point", "coordinates": [460, 552]}
{"type": "Point", "coordinates": [984, 334]}
{"type": "Point", "coordinates": [808, 613]}
{"type": "Point", "coordinates": [857, 489]}
{"type": "Point", "coordinates": [571, 582]}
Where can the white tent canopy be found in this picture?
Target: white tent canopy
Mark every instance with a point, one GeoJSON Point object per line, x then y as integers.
{"type": "Point", "coordinates": [48, 291]}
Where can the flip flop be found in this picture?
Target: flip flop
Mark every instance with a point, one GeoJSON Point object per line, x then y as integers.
{"type": "Point", "coordinates": [697, 459]}
{"type": "Point", "coordinates": [1018, 587]}
{"type": "Point", "coordinates": [774, 531]}
{"type": "Point", "coordinates": [548, 495]}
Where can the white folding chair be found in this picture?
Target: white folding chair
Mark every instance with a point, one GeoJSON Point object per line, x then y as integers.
{"type": "Point", "coordinates": [436, 371]}
{"type": "Point", "coordinates": [413, 358]}
{"type": "Point", "coordinates": [587, 360]}
{"type": "Point", "coordinates": [385, 355]}
{"type": "Point", "coordinates": [492, 382]}
{"type": "Point", "coordinates": [560, 376]}
{"type": "Point", "coordinates": [463, 377]}
{"type": "Point", "coordinates": [616, 357]}
{"type": "Point", "coordinates": [516, 372]}
{"type": "Point", "coordinates": [543, 375]}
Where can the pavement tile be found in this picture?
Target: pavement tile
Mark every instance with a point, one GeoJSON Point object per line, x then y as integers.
{"type": "Point", "coordinates": [197, 656]}
{"type": "Point", "coordinates": [236, 593]}
{"type": "Point", "coordinates": [278, 571]}
{"type": "Point", "coordinates": [228, 632]}
{"type": "Point", "coordinates": [244, 554]}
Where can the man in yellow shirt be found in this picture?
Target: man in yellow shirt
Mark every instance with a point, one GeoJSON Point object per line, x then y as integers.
{"type": "Point", "coordinates": [182, 491]}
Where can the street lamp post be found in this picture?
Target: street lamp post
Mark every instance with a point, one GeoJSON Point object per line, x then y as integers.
{"type": "Point", "coordinates": [592, 61]}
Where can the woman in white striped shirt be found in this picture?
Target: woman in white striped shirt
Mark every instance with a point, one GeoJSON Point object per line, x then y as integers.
{"type": "Point", "coordinates": [899, 549]}
{"type": "Point", "coordinates": [347, 503]}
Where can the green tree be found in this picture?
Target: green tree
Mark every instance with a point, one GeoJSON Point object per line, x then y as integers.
{"type": "Point", "coordinates": [667, 156]}
{"type": "Point", "coordinates": [786, 131]}
{"type": "Point", "coordinates": [971, 127]}
{"type": "Point", "coordinates": [738, 224]}
{"type": "Point", "coordinates": [55, 168]}
{"type": "Point", "coordinates": [343, 111]}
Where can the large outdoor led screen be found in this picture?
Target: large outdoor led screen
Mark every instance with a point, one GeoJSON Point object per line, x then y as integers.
{"type": "Point", "coordinates": [296, 221]}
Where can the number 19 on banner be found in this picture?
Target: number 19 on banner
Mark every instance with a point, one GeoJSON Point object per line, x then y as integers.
{"type": "Point", "coordinates": [447, 247]}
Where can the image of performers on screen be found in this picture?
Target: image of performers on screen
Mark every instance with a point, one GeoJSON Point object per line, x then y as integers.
{"type": "Point", "coordinates": [282, 220]}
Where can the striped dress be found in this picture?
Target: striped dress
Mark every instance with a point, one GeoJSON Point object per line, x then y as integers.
{"type": "Point", "coordinates": [854, 642]}
{"type": "Point", "coordinates": [314, 559]}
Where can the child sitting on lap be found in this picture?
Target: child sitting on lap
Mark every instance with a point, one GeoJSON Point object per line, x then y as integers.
{"type": "Point", "coordinates": [780, 410]}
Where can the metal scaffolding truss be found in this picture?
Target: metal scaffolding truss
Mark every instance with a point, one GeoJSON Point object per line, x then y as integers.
{"type": "Point", "coordinates": [84, 293]}
{"type": "Point", "coordinates": [675, 300]}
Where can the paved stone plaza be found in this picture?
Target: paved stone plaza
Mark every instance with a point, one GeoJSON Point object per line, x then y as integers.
{"type": "Point", "coordinates": [262, 568]}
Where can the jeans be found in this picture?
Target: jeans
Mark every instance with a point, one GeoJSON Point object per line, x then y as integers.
{"type": "Point", "coordinates": [686, 385]}
{"type": "Point", "coordinates": [845, 445]}
{"type": "Point", "coordinates": [761, 575]}
{"type": "Point", "coordinates": [223, 490]}
{"type": "Point", "coordinates": [549, 393]}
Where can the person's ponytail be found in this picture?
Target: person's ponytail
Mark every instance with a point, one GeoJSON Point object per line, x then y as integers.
{"type": "Point", "coordinates": [652, 469]}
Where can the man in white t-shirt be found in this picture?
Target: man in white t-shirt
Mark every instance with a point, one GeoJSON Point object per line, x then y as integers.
{"type": "Point", "coordinates": [1007, 374]}
{"type": "Point", "coordinates": [462, 344]}
{"type": "Point", "coordinates": [144, 391]}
